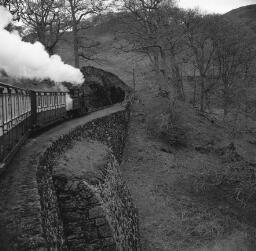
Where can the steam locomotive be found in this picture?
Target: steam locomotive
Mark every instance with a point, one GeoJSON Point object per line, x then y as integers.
{"type": "Point", "coordinates": [23, 111]}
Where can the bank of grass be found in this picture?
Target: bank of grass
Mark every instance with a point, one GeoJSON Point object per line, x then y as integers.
{"type": "Point", "coordinates": [200, 218]}
{"type": "Point", "coordinates": [235, 182]}
{"type": "Point", "coordinates": [212, 186]}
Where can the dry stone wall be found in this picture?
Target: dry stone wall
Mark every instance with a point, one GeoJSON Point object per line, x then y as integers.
{"type": "Point", "coordinates": [84, 215]}
{"type": "Point", "coordinates": [86, 226]}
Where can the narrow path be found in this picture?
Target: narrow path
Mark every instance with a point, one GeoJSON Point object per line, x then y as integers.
{"type": "Point", "coordinates": [19, 199]}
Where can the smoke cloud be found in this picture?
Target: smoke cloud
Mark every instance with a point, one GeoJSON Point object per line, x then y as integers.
{"type": "Point", "coordinates": [23, 59]}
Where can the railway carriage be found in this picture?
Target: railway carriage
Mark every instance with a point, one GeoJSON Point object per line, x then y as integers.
{"type": "Point", "coordinates": [15, 119]}
{"type": "Point", "coordinates": [47, 107]}
{"type": "Point", "coordinates": [23, 111]}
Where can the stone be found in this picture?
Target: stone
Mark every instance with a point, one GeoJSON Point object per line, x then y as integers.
{"type": "Point", "coordinates": [110, 248]}
{"type": "Point", "coordinates": [105, 231]}
{"type": "Point", "coordinates": [72, 216]}
{"type": "Point", "coordinates": [96, 212]}
{"type": "Point", "coordinates": [108, 242]}
{"type": "Point", "coordinates": [91, 234]}
{"type": "Point", "coordinates": [100, 221]}
{"type": "Point", "coordinates": [41, 249]}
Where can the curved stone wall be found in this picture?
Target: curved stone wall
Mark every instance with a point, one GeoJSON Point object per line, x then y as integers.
{"type": "Point", "coordinates": [89, 214]}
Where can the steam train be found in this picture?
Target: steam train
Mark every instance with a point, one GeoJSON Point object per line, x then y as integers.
{"type": "Point", "coordinates": [23, 111]}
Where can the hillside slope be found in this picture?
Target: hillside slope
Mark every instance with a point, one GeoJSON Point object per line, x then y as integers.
{"type": "Point", "coordinates": [245, 15]}
{"type": "Point", "coordinates": [185, 200]}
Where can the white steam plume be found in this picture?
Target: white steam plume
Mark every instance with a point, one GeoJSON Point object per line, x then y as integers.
{"type": "Point", "coordinates": [23, 59]}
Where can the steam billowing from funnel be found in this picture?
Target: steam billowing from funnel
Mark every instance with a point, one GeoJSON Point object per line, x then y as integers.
{"type": "Point", "coordinates": [23, 59]}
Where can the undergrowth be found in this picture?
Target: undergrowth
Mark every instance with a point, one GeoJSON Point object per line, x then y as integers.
{"type": "Point", "coordinates": [168, 126]}
{"type": "Point", "coordinates": [232, 181]}
{"type": "Point", "coordinates": [193, 224]}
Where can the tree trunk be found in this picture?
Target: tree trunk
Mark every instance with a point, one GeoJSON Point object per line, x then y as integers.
{"type": "Point", "coordinates": [159, 77]}
{"type": "Point", "coordinates": [178, 83]}
{"type": "Point", "coordinates": [76, 47]}
{"type": "Point", "coordinates": [75, 33]}
{"type": "Point", "coordinates": [195, 85]}
{"type": "Point", "coordinates": [172, 77]}
{"type": "Point", "coordinates": [41, 33]}
{"type": "Point", "coordinates": [169, 87]}
{"type": "Point", "coordinates": [202, 92]}
{"type": "Point", "coordinates": [164, 67]}
{"type": "Point", "coordinates": [225, 101]}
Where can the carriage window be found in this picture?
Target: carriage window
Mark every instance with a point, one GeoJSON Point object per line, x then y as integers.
{"type": "Point", "coordinates": [21, 108]}
{"type": "Point", "coordinates": [17, 105]}
{"type": "Point", "coordinates": [42, 101]}
{"type": "Point", "coordinates": [44, 98]}
{"type": "Point", "coordinates": [5, 108]}
{"type": "Point", "coordinates": [38, 102]}
{"type": "Point", "coordinates": [12, 100]}
{"type": "Point", "coordinates": [28, 101]}
{"type": "Point", "coordinates": [49, 100]}
{"type": "Point", "coordinates": [1, 110]}
{"type": "Point", "coordinates": [25, 102]}
{"type": "Point", "coordinates": [9, 102]}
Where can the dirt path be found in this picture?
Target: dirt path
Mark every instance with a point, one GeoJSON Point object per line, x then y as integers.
{"type": "Point", "coordinates": [19, 199]}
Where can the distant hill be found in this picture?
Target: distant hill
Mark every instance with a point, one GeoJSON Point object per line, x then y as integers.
{"type": "Point", "coordinates": [245, 15]}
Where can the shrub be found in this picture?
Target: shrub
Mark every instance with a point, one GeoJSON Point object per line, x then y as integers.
{"type": "Point", "coordinates": [235, 181]}
{"type": "Point", "coordinates": [171, 129]}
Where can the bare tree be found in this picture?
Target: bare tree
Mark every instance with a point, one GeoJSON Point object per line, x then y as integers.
{"type": "Point", "coordinates": [200, 31]}
{"type": "Point", "coordinates": [12, 6]}
{"type": "Point", "coordinates": [45, 19]}
{"type": "Point", "coordinates": [79, 12]}
{"type": "Point", "coordinates": [234, 55]}
{"type": "Point", "coordinates": [152, 27]}
{"type": "Point", "coordinates": [173, 40]}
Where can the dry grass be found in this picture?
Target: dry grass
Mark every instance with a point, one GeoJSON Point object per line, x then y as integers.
{"type": "Point", "coordinates": [233, 181]}
{"type": "Point", "coordinates": [193, 224]}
